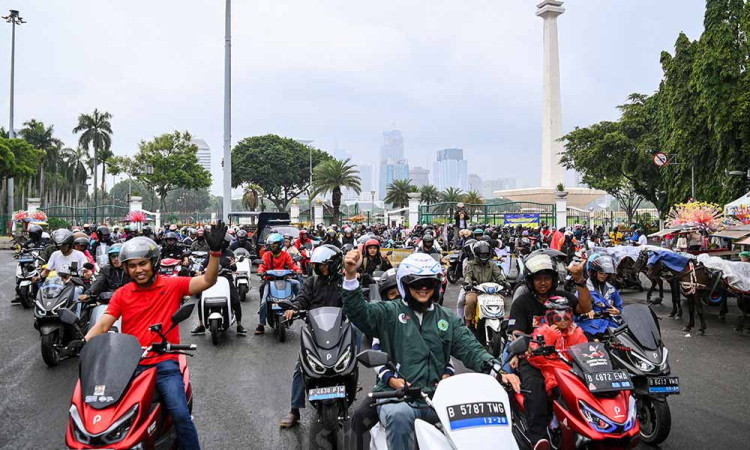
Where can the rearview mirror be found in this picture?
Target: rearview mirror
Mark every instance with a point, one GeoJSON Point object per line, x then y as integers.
{"type": "Point", "coordinates": [373, 358]}
{"type": "Point", "coordinates": [519, 345]}
{"type": "Point", "coordinates": [183, 313]}
{"type": "Point", "coordinates": [67, 316]}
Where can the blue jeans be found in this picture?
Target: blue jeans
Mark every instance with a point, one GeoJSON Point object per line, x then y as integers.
{"type": "Point", "coordinates": [172, 390]}
{"type": "Point", "coordinates": [398, 420]}
{"type": "Point", "coordinates": [298, 387]}
{"type": "Point", "coordinates": [262, 312]}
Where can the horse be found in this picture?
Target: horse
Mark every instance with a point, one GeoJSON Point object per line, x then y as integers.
{"type": "Point", "coordinates": [626, 276]}
{"type": "Point", "coordinates": [654, 275]}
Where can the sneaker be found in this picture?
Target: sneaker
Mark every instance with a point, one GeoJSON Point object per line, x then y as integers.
{"type": "Point", "coordinates": [200, 329]}
{"type": "Point", "coordinates": [260, 329]}
{"type": "Point", "coordinates": [16, 300]}
{"type": "Point", "coordinates": [290, 420]}
{"type": "Point", "coordinates": [542, 444]}
{"type": "Point", "coordinates": [241, 330]}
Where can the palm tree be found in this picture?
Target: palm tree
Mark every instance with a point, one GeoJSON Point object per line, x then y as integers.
{"type": "Point", "coordinates": [333, 175]}
{"type": "Point", "coordinates": [473, 198]}
{"type": "Point", "coordinates": [398, 192]}
{"type": "Point", "coordinates": [42, 138]}
{"type": "Point", "coordinates": [251, 196]}
{"type": "Point", "coordinates": [97, 132]}
{"type": "Point", "coordinates": [429, 194]}
{"type": "Point", "coordinates": [78, 160]}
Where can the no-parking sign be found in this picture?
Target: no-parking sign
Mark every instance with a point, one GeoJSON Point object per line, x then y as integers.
{"type": "Point", "coordinates": [660, 159]}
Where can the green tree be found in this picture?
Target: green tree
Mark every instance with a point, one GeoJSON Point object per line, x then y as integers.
{"type": "Point", "coordinates": [333, 175]}
{"type": "Point", "coordinates": [42, 138]}
{"type": "Point", "coordinates": [429, 194]}
{"type": "Point", "coordinates": [169, 162]}
{"type": "Point", "coordinates": [279, 166]}
{"type": "Point", "coordinates": [451, 195]}
{"type": "Point", "coordinates": [96, 132]}
{"type": "Point", "coordinates": [397, 193]}
{"type": "Point", "coordinates": [19, 160]}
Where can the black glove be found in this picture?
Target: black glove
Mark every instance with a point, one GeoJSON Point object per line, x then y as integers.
{"type": "Point", "coordinates": [215, 237]}
{"type": "Point", "coordinates": [74, 347]}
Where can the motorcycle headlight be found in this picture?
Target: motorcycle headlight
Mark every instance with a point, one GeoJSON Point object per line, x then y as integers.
{"type": "Point", "coordinates": [596, 420]}
{"type": "Point", "coordinates": [632, 414]}
{"type": "Point", "coordinates": [315, 364]}
{"type": "Point", "coordinates": [343, 361]}
{"type": "Point", "coordinates": [641, 362]}
{"type": "Point", "coordinates": [664, 363]}
{"type": "Point", "coordinates": [111, 435]}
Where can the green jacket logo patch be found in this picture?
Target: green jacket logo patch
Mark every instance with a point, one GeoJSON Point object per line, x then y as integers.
{"type": "Point", "coordinates": [443, 325]}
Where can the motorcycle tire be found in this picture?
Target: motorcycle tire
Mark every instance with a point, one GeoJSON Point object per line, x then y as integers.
{"type": "Point", "coordinates": [496, 345]}
{"type": "Point", "coordinates": [25, 295]}
{"type": "Point", "coordinates": [281, 329]}
{"type": "Point", "coordinates": [451, 275]}
{"type": "Point", "coordinates": [325, 429]}
{"type": "Point", "coordinates": [655, 420]}
{"type": "Point", "coordinates": [50, 354]}
{"type": "Point", "coordinates": [214, 329]}
{"type": "Point", "coordinates": [243, 293]}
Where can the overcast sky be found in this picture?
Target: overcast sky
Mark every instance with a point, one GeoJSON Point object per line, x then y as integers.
{"type": "Point", "coordinates": [446, 73]}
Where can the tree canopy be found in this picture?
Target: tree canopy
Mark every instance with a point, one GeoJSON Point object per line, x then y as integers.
{"type": "Point", "coordinates": [279, 166]}
{"type": "Point", "coordinates": [331, 176]}
{"type": "Point", "coordinates": [397, 193]}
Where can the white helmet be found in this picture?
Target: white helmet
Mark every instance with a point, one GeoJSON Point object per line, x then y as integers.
{"type": "Point", "coordinates": [417, 266]}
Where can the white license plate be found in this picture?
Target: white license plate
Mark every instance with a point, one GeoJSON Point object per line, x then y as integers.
{"type": "Point", "coordinates": [326, 393]}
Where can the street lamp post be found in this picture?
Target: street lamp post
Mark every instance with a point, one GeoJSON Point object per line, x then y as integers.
{"type": "Point", "coordinates": [227, 200]}
{"type": "Point", "coordinates": [14, 19]}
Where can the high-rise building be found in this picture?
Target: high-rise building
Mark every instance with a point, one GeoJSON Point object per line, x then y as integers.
{"type": "Point", "coordinates": [475, 183]}
{"type": "Point", "coordinates": [490, 186]}
{"type": "Point", "coordinates": [390, 173]}
{"type": "Point", "coordinates": [366, 175]}
{"type": "Point", "coordinates": [419, 176]}
{"type": "Point", "coordinates": [204, 153]}
{"type": "Point", "coordinates": [340, 153]}
{"type": "Point", "coordinates": [393, 146]}
{"type": "Point", "coordinates": [450, 170]}
{"type": "Point", "coordinates": [393, 165]}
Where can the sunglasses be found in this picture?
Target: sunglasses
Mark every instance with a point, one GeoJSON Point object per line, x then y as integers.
{"type": "Point", "coordinates": [422, 284]}
{"type": "Point", "coordinates": [561, 316]}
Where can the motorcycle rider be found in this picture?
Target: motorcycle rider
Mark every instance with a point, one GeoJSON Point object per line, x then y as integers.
{"type": "Point", "coordinates": [103, 236]}
{"type": "Point", "coordinates": [479, 270]}
{"type": "Point", "coordinates": [66, 255]}
{"type": "Point", "coordinates": [348, 237]}
{"type": "Point", "coordinates": [110, 278]}
{"type": "Point", "coordinates": [373, 261]}
{"type": "Point", "coordinates": [192, 235]}
{"type": "Point", "coordinates": [274, 259]}
{"type": "Point", "coordinates": [331, 238]}
{"type": "Point", "coordinates": [200, 244]}
{"type": "Point", "coordinates": [304, 238]}
{"type": "Point", "coordinates": [35, 237]}
{"type": "Point", "coordinates": [526, 314]}
{"type": "Point", "coordinates": [422, 340]}
{"type": "Point", "coordinates": [242, 242]}
{"type": "Point", "coordinates": [225, 262]}
{"type": "Point", "coordinates": [321, 289]}
{"type": "Point", "coordinates": [604, 296]}
{"type": "Point", "coordinates": [153, 299]}
{"type": "Point", "coordinates": [428, 245]}
{"type": "Point", "coordinates": [82, 244]}
{"type": "Point", "coordinates": [288, 247]}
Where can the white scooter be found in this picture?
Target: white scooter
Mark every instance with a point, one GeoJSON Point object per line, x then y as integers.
{"type": "Point", "coordinates": [492, 306]}
{"type": "Point", "coordinates": [216, 307]}
{"type": "Point", "coordinates": [242, 275]}
{"type": "Point", "coordinates": [473, 408]}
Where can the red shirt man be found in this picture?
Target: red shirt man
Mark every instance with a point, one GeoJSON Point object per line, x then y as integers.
{"type": "Point", "coordinates": [281, 261]}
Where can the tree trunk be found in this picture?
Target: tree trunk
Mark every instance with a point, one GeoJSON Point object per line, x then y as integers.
{"type": "Point", "coordinates": [104, 178]}
{"type": "Point", "coordinates": [336, 200]}
{"type": "Point", "coordinates": [41, 181]}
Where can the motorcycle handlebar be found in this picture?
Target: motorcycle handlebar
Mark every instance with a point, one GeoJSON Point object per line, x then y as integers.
{"type": "Point", "coordinates": [183, 347]}
{"type": "Point", "coordinates": [386, 395]}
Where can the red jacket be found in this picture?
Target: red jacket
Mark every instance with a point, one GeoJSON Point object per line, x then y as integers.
{"type": "Point", "coordinates": [562, 341]}
{"type": "Point", "coordinates": [281, 262]}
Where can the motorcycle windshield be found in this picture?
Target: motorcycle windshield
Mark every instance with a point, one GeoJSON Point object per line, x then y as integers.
{"type": "Point", "coordinates": [108, 362]}
{"type": "Point", "coordinates": [326, 325]}
{"type": "Point", "coordinates": [102, 258]}
{"type": "Point", "coordinates": [52, 288]}
{"type": "Point", "coordinates": [642, 324]}
{"type": "Point", "coordinates": [239, 252]}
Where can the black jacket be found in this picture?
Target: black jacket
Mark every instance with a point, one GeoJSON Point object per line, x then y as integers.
{"type": "Point", "coordinates": [318, 291]}
{"type": "Point", "coordinates": [108, 280]}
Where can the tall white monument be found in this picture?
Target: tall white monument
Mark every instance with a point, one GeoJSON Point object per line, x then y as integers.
{"type": "Point", "coordinates": [552, 172]}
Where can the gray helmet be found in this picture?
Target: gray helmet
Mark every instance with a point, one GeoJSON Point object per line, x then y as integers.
{"type": "Point", "coordinates": [140, 247]}
{"type": "Point", "coordinates": [81, 241]}
{"type": "Point", "coordinates": [328, 254]}
{"type": "Point", "coordinates": [171, 235]}
{"type": "Point", "coordinates": [63, 236]}
{"type": "Point", "coordinates": [482, 251]}
{"type": "Point", "coordinates": [387, 281]}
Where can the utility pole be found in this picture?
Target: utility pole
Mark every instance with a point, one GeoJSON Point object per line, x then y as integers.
{"type": "Point", "coordinates": [227, 201]}
{"type": "Point", "coordinates": [14, 19]}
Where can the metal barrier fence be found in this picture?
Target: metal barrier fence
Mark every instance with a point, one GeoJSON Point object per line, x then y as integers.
{"type": "Point", "coordinates": [87, 214]}
{"type": "Point", "coordinates": [490, 213]}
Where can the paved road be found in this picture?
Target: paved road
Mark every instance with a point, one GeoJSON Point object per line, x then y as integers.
{"type": "Point", "coordinates": [242, 387]}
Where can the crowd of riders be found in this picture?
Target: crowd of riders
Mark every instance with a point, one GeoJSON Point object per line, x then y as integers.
{"type": "Point", "coordinates": [343, 261]}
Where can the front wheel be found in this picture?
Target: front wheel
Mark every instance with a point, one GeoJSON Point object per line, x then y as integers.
{"type": "Point", "coordinates": [452, 279]}
{"type": "Point", "coordinates": [655, 420]}
{"type": "Point", "coordinates": [243, 292]}
{"type": "Point", "coordinates": [214, 328]}
{"type": "Point", "coordinates": [50, 351]}
{"type": "Point", "coordinates": [325, 429]}
{"type": "Point", "coordinates": [25, 295]}
{"type": "Point", "coordinates": [497, 344]}
{"type": "Point", "coordinates": [281, 329]}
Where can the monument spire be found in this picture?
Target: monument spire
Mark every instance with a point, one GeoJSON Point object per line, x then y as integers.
{"type": "Point", "coordinates": [552, 172]}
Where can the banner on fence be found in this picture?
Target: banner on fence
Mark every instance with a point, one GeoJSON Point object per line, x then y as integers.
{"type": "Point", "coordinates": [526, 220]}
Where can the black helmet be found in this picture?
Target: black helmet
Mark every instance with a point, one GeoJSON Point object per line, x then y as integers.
{"type": "Point", "coordinates": [536, 264]}
{"type": "Point", "coordinates": [103, 233]}
{"type": "Point", "coordinates": [81, 241]}
{"type": "Point", "coordinates": [62, 236]}
{"type": "Point", "coordinates": [140, 247]}
{"type": "Point", "coordinates": [428, 239]}
{"type": "Point", "coordinates": [171, 235]}
{"type": "Point", "coordinates": [35, 232]}
{"type": "Point", "coordinates": [331, 233]}
{"type": "Point", "coordinates": [328, 254]}
{"type": "Point", "coordinates": [482, 251]}
{"type": "Point", "coordinates": [387, 281]}
{"type": "Point", "coordinates": [242, 234]}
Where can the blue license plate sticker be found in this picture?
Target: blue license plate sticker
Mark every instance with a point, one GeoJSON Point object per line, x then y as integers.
{"type": "Point", "coordinates": [664, 385]}
{"type": "Point", "coordinates": [477, 414]}
{"type": "Point", "coordinates": [326, 393]}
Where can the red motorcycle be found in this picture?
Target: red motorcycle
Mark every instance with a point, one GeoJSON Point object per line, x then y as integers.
{"type": "Point", "coordinates": [114, 408]}
{"type": "Point", "coordinates": [170, 267]}
{"type": "Point", "coordinates": [595, 408]}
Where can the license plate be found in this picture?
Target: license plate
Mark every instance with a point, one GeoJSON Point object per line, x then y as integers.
{"type": "Point", "coordinates": [326, 393]}
{"type": "Point", "coordinates": [614, 380]}
{"type": "Point", "coordinates": [480, 414]}
{"type": "Point", "coordinates": [664, 385]}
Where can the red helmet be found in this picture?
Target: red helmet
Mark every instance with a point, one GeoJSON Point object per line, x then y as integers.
{"type": "Point", "coordinates": [371, 242]}
{"type": "Point", "coordinates": [302, 233]}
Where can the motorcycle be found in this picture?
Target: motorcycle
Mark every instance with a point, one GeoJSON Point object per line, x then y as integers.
{"type": "Point", "coordinates": [279, 288]}
{"type": "Point", "coordinates": [329, 368]}
{"type": "Point", "coordinates": [491, 310]}
{"type": "Point", "coordinates": [473, 408]}
{"type": "Point", "coordinates": [304, 262]}
{"type": "Point", "coordinates": [636, 346]}
{"type": "Point", "coordinates": [29, 262]}
{"type": "Point", "coordinates": [53, 297]}
{"type": "Point", "coordinates": [170, 267]}
{"type": "Point", "coordinates": [453, 271]}
{"type": "Point", "coordinates": [98, 305]}
{"type": "Point", "coordinates": [216, 307]}
{"type": "Point", "coordinates": [197, 259]}
{"type": "Point", "coordinates": [113, 406]}
{"type": "Point", "coordinates": [595, 408]}
{"type": "Point", "coordinates": [242, 276]}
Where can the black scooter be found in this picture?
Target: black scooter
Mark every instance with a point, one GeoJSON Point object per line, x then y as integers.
{"type": "Point", "coordinates": [454, 270]}
{"type": "Point", "coordinates": [329, 368]}
{"type": "Point", "coordinates": [636, 346]}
